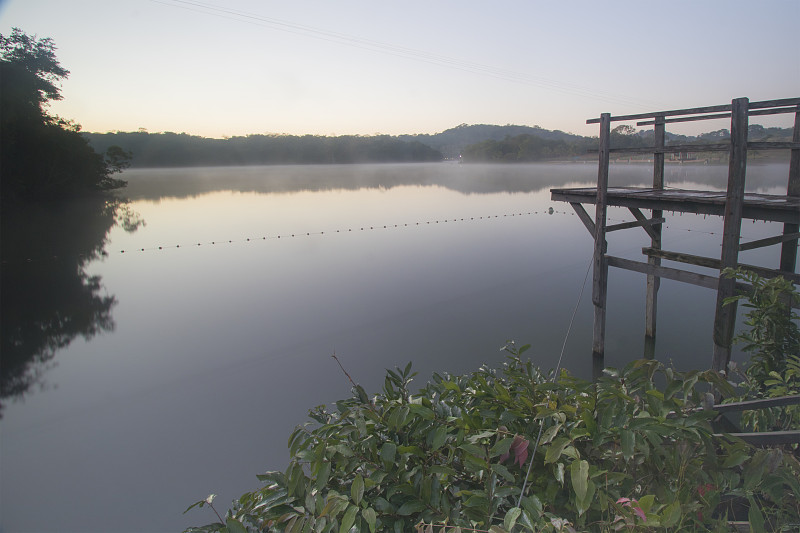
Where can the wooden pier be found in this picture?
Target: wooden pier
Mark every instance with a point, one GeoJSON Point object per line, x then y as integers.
{"type": "Point", "coordinates": [733, 205]}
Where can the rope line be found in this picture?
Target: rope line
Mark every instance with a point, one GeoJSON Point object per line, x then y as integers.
{"type": "Point", "coordinates": [284, 236]}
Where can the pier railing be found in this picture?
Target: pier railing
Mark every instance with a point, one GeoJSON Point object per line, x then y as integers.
{"type": "Point", "coordinates": [733, 206]}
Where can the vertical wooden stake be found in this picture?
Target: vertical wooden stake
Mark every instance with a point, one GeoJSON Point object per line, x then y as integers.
{"type": "Point", "coordinates": [600, 275]}
{"type": "Point", "coordinates": [653, 282]}
{"type": "Point", "coordinates": [789, 249]}
{"type": "Point", "coordinates": [725, 319]}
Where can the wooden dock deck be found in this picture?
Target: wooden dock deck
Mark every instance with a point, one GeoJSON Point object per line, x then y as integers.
{"type": "Point", "coordinates": [772, 208]}
{"type": "Point", "coordinates": [733, 204]}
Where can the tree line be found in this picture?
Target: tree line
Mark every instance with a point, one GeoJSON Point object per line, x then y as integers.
{"type": "Point", "coordinates": [170, 149]}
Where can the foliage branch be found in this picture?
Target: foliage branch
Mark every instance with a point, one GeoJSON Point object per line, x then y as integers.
{"type": "Point", "coordinates": [622, 453]}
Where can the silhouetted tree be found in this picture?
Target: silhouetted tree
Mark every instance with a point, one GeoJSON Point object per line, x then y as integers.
{"type": "Point", "coordinates": [43, 156]}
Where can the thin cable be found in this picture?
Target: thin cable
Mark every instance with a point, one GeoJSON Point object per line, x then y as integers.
{"type": "Point", "coordinates": [555, 375]}
{"type": "Point", "coordinates": [401, 51]}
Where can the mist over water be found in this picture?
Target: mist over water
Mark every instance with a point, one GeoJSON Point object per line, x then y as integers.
{"type": "Point", "coordinates": [251, 277]}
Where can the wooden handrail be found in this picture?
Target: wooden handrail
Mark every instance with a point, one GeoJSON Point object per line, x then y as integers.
{"type": "Point", "coordinates": [765, 104]}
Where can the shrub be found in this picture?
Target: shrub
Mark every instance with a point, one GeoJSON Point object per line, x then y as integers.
{"type": "Point", "coordinates": [622, 453]}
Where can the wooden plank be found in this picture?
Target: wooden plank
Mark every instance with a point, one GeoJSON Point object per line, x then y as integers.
{"type": "Point", "coordinates": [764, 104]}
{"type": "Point", "coordinates": [716, 264]}
{"type": "Point", "coordinates": [773, 145]}
{"type": "Point", "coordinates": [788, 259]}
{"type": "Point", "coordinates": [675, 112]}
{"type": "Point", "coordinates": [760, 112]}
{"type": "Point", "coordinates": [783, 102]}
{"type": "Point", "coordinates": [769, 241]}
{"type": "Point", "coordinates": [584, 217]}
{"type": "Point", "coordinates": [600, 274]}
{"type": "Point", "coordinates": [684, 276]}
{"type": "Point", "coordinates": [725, 316]}
{"type": "Point", "coordinates": [646, 224]}
{"type": "Point", "coordinates": [685, 119]}
{"type": "Point", "coordinates": [765, 438]}
{"type": "Point", "coordinates": [761, 403]}
{"type": "Point", "coordinates": [672, 149]}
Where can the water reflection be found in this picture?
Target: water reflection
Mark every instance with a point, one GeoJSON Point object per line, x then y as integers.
{"type": "Point", "coordinates": [155, 184]}
{"type": "Point", "coordinates": [48, 299]}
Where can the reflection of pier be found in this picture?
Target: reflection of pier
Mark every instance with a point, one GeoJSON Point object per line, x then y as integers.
{"type": "Point", "coordinates": [733, 204]}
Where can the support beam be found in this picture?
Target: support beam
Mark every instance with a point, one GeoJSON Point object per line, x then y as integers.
{"type": "Point", "coordinates": [584, 217]}
{"type": "Point", "coordinates": [789, 249]}
{"type": "Point", "coordinates": [654, 282]}
{"type": "Point", "coordinates": [646, 223]}
{"type": "Point", "coordinates": [600, 274]}
{"type": "Point", "coordinates": [769, 241]}
{"type": "Point", "coordinates": [725, 317]}
{"type": "Point", "coordinates": [710, 262]}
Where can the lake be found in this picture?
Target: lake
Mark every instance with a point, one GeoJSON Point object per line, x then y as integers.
{"type": "Point", "coordinates": [149, 365]}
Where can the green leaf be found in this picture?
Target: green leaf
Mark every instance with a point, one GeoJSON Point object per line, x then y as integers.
{"type": "Point", "coordinates": [414, 506]}
{"type": "Point", "coordinates": [388, 451]}
{"type": "Point", "coordinates": [369, 515]}
{"type": "Point", "coordinates": [735, 459]}
{"type": "Point", "coordinates": [555, 449]}
{"type": "Point", "coordinates": [672, 514]}
{"type": "Point", "coordinates": [511, 518]}
{"type": "Point", "coordinates": [234, 526]}
{"type": "Point", "coordinates": [348, 519]}
{"type": "Point", "coordinates": [755, 517]}
{"type": "Point", "coordinates": [502, 446]}
{"type": "Point", "coordinates": [439, 437]}
{"type": "Point", "coordinates": [503, 472]}
{"type": "Point", "coordinates": [323, 475]}
{"type": "Point", "coordinates": [628, 442]}
{"type": "Point", "coordinates": [357, 489]}
{"type": "Point", "coordinates": [579, 474]}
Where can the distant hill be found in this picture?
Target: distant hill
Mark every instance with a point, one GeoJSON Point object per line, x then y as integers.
{"type": "Point", "coordinates": [452, 142]}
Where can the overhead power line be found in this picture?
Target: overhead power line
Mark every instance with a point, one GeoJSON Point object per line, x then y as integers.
{"type": "Point", "coordinates": [405, 52]}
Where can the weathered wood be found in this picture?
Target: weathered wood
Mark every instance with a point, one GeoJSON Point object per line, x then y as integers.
{"type": "Point", "coordinates": [760, 112]}
{"type": "Point", "coordinates": [584, 217]}
{"type": "Point", "coordinates": [764, 104]}
{"type": "Point", "coordinates": [647, 223]}
{"type": "Point", "coordinates": [672, 149]}
{"type": "Point", "coordinates": [789, 248]}
{"type": "Point", "coordinates": [769, 241]}
{"type": "Point", "coordinates": [777, 145]}
{"type": "Point", "coordinates": [765, 438]}
{"type": "Point", "coordinates": [673, 113]}
{"type": "Point", "coordinates": [725, 316]}
{"type": "Point", "coordinates": [684, 276]}
{"type": "Point", "coordinates": [716, 264]}
{"type": "Point", "coordinates": [762, 403]}
{"type": "Point", "coordinates": [783, 102]}
{"type": "Point", "coordinates": [756, 206]}
{"type": "Point", "coordinates": [600, 274]}
{"type": "Point", "coordinates": [654, 282]}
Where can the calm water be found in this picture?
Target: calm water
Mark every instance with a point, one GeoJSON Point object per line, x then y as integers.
{"type": "Point", "coordinates": [145, 380]}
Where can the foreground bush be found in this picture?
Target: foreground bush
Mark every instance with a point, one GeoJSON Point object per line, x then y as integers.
{"type": "Point", "coordinates": [624, 453]}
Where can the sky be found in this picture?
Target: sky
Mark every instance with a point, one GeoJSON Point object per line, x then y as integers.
{"type": "Point", "coordinates": [221, 68]}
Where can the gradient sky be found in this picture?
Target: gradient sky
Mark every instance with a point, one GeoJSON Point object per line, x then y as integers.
{"type": "Point", "coordinates": [233, 67]}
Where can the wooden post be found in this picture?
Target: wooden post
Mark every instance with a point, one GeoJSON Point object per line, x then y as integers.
{"type": "Point", "coordinates": [653, 282]}
{"type": "Point", "coordinates": [600, 275]}
{"type": "Point", "coordinates": [789, 249]}
{"type": "Point", "coordinates": [725, 319]}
